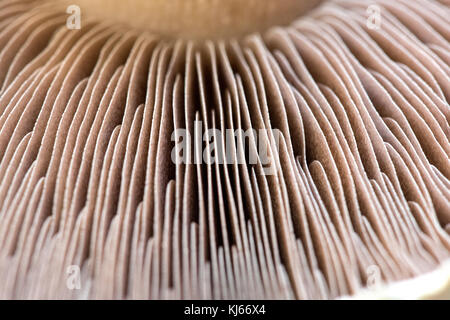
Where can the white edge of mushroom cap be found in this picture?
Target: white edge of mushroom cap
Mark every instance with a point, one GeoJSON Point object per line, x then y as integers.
{"type": "Point", "coordinates": [432, 285]}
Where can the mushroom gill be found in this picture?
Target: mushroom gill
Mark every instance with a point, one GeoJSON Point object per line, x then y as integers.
{"type": "Point", "coordinates": [361, 179]}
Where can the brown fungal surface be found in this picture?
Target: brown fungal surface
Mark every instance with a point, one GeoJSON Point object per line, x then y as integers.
{"type": "Point", "coordinates": [361, 180]}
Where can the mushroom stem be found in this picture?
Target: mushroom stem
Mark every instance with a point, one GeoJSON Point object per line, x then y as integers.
{"type": "Point", "coordinates": [197, 19]}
